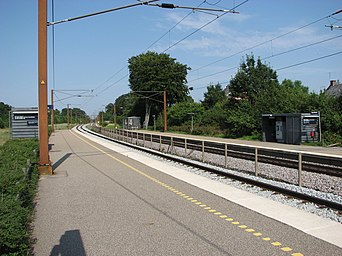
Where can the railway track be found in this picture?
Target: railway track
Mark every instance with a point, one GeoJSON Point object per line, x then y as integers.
{"type": "Point", "coordinates": [311, 163]}
{"type": "Point", "coordinates": [234, 152]}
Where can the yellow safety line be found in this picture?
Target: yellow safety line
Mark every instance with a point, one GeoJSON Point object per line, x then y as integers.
{"type": "Point", "coordinates": [196, 202]}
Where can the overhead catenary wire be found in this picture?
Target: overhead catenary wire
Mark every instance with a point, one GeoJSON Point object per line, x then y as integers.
{"type": "Point", "coordinates": [203, 26]}
{"type": "Point", "coordinates": [308, 61]}
{"type": "Point", "coordinates": [173, 27]}
{"type": "Point", "coordinates": [269, 57]}
{"type": "Point", "coordinates": [152, 44]}
{"type": "Point", "coordinates": [124, 67]}
{"type": "Point", "coordinates": [101, 12]}
{"type": "Point", "coordinates": [264, 42]}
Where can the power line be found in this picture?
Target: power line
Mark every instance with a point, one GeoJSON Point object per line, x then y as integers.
{"type": "Point", "coordinates": [101, 12]}
{"type": "Point", "coordinates": [262, 43]}
{"type": "Point", "coordinates": [203, 26]}
{"type": "Point", "coordinates": [269, 57]}
{"type": "Point", "coordinates": [302, 47]}
{"type": "Point", "coordinates": [195, 8]}
{"type": "Point", "coordinates": [174, 26]}
{"type": "Point", "coordinates": [308, 61]}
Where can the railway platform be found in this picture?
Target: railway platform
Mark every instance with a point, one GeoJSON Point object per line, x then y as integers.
{"type": "Point", "coordinates": [105, 199]}
{"type": "Point", "coordinates": [334, 151]}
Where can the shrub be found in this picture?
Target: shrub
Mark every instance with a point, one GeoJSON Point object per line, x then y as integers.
{"type": "Point", "coordinates": [17, 189]}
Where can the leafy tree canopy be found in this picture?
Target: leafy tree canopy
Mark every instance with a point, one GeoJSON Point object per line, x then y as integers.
{"type": "Point", "coordinates": [182, 111]}
{"type": "Point", "coordinates": [252, 78]}
{"type": "Point", "coordinates": [214, 94]}
{"type": "Point", "coordinates": [158, 72]}
{"type": "Point", "coordinates": [153, 72]}
{"type": "Point", "coordinates": [4, 109]}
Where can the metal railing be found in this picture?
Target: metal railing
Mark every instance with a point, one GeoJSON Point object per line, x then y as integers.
{"type": "Point", "coordinates": [203, 150]}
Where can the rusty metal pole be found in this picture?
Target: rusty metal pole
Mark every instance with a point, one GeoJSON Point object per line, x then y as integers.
{"type": "Point", "coordinates": [114, 116]}
{"type": "Point", "coordinates": [165, 116]}
{"type": "Point", "coordinates": [44, 159]}
{"type": "Point", "coordinates": [52, 113]}
{"type": "Point", "coordinates": [68, 115]}
{"type": "Point", "coordinates": [70, 118]}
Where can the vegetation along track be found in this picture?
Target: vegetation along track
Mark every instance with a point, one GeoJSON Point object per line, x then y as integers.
{"type": "Point", "coordinates": [245, 155]}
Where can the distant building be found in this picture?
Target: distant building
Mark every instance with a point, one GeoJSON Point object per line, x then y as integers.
{"type": "Point", "coordinates": [334, 89]}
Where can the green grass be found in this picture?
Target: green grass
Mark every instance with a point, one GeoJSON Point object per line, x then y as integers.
{"type": "Point", "coordinates": [63, 126]}
{"type": "Point", "coordinates": [4, 136]}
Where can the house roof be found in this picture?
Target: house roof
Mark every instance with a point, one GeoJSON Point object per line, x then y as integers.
{"type": "Point", "coordinates": [334, 89]}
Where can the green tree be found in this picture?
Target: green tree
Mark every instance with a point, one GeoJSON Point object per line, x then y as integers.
{"type": "Point", "coordinates": [181, 112]}
{"type": "Point", "coordinates": [252, 78]}
{"type": "Point", "coordinates": [155, 72]}
{"type": "Point", "coordinates": [253, 91]}
{"type": "Point", "coordinates": [4, 110]}
{"type": "Point", "coordinates": [293, 97]}
{"type": "Point", "coordinates": [214, 94]}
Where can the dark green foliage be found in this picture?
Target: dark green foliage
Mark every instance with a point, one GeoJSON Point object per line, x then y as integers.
{"type": "Point", "coordinates": [150, 74]}
{"type": "Point", "coordinates": [17, 188]}
{"type": "Point", "coordinates": [214, 95]}
{"type": "Point", "coordinates": [158, 72]}
{"type": "Point", "coordinates": [180, 113]}
{"type": "Point", "coordinates": [4, 110]}
{"type": "Point", "coordinates": [254, 91]}
{"type": "Point", "coordinates": [78, 116]}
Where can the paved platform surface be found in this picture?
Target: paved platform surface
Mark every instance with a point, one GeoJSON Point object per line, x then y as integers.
{"type": "Point", "coordinates": [101, 201]}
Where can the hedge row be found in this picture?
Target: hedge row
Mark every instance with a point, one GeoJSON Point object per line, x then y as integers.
{"type": "Point", "coordinates": [18, 185]}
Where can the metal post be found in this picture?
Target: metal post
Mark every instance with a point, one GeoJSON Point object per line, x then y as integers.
{"type": "Point", "coordinates": [165, 116]}
{"type": "Point", "coordinates": [185, 147]}
{"type": "Point", "coordinates": [143, 139]}
{"type": "Point", "coordinates": [256, 162]}
{"type": "Point", "coordinates": [114, 116]}
{"type": "Point", "coordinates": [192, 123]}
{"type": "Point", "coordinates": [68, 114]}
{"type": "Point", "coordinates": [70, 118]}
{"type": "Point", "coordinates": [202, 150]}
{"type": "Point", "coordinates": [319, 126]}
{"type": "Point", "coordinates": [160, 142]}
{"type": "Point", "coordinates": [171, 145]}
{"type": "Point", "coordinates": [44, 159]}
{"type": "Point", "coordinates": [225, 155]}
{"type": "Point", "coordinates": [151, 141]}
{"type": "Point", "coordinates": [52, 113]}
{"type": "Point", "coordinates": [300, 169]}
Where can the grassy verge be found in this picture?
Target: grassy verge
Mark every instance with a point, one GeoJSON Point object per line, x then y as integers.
{"type": "Point", "coordinates": [18, 185]}
{"type": "Point", "coordinates": [4, 136]}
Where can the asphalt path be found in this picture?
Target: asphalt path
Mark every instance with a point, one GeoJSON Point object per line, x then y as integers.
{"type": "Point", "coordinates": [101, 202]}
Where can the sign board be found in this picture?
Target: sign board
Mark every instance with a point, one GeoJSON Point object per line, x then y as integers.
{"type": "Point", "coordinates": [24, 123]}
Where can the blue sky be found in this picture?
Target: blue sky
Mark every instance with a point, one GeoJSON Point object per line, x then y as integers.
{"type": "Point", "coordinates": [92, 54]}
